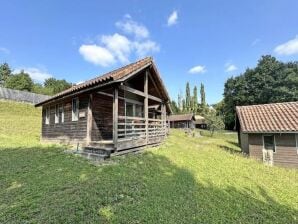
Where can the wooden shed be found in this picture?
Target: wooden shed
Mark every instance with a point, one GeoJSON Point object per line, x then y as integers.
{"type": "Point", "coordinates": [123, 109]}
{"type": "Point", "coordinates": [269, 132]}
{"type": "Point", "coordinates": [182, 121]}
{"type": "Point", "coordinates": [200, 122]}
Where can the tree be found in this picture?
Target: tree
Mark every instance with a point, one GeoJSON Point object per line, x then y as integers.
{"type": "Point", "coordinates": [5, 73]}
{"type": "Point", "coordinates": [270, 81]}
{"type": "Point", "coordinates": [203, 96]}
{"type": "Point", "coordinates": [21, 81]}
{"type": "Point", "coordinates": [183, 105]}
{"type": "Point", "coordinates": [188, 97]}
{"type": "Point", "coordinates": [55, 86]}
{"type": "Point", "coordinates": [214, 122]}
{"type": "Point", "coordinates": [174, 107]}
{"type": "Point", "coordinates": [195, 99]}
{"type": "Point", "coordinates": [180, 106]}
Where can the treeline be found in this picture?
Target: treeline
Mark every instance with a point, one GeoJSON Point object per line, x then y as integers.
{"type": "Point", "coordinates": [271, 81]}
{"type": "Point", "coordinates": [190, 103]}
{"type": "Point", "coordinates": [23, 81]}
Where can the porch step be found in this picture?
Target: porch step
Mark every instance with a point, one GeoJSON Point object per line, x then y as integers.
{"type": "Point", "coordinates": [126, 151]}
{"type": "Point", "coordinates": [105, 152]}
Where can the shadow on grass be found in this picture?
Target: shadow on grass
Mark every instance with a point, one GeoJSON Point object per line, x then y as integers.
{"type": "Point", "coordinates": [47, 186]}
{"type": "Point", "coordinates": [230, 149]}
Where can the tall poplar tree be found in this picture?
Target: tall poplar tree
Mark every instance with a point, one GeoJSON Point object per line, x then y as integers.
{"type": "Point", "coordinates": [187, 96]}
{"type": "Point", "coordinates": [195, 99]}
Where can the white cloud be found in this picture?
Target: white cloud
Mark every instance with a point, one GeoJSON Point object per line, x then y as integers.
{"type": "Point", "coordinates": [230, 67]}
{"type": "Point", "coordinates": [288, 48]}
{"type": "Point", "coordinates": [36, 74]}
{"type": "Point", "coordinates": [172, 19]}
{"type": "Point", "coordinates": [197, 69]}
{"type": "Point", "coordinates": [129, 26]}
{"type": "Point", "coordinates": [4, 50]}
{"type": "Point", "coordinates": [110, 49]}
{"type": "Point", "coordinates": [145, 47]}
{"type": "Point", "coordinates": [97, 55]}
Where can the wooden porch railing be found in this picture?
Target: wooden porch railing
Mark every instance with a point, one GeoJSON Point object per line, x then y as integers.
{"type": "Point", "coordinates": [134, 128]}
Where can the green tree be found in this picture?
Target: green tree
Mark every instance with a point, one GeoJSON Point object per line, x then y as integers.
{"type": "Point", "coordinates": [5, 73]}
{"type": "Point", "coordinates": [55, 86]}
{"type": "Point", "coordinates": [174, 107]}
{"type": "Point", "coordinates": [195, 99]}
{"type": "Point", "coordinates": [188, 97]}
{"type": "Point", "coordinates": [214, 122]}
{"type": "Point", "coordinates": [21, 81]}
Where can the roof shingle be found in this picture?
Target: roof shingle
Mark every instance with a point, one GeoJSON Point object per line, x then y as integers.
{"type": "Point", "coordinates": [181, 117]}
{"type": "Point", "coordinates": [275, 117]}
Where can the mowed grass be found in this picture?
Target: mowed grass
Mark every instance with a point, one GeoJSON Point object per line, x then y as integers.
{"type": "Point", "coordinates": [185, 180]}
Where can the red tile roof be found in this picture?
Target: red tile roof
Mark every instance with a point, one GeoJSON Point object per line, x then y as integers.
{"type": "Point", "coordinates": [181, 117]}
{"type": "Point", "coordinates": [275, 117]}
{"type": "Point", "coordinates": [115, 75]}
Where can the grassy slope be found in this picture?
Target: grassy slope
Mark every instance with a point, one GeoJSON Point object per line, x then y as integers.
{"type": "Point", "coordinates": [186, 180]}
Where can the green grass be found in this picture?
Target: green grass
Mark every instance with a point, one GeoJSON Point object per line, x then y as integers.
{"type": "Point", "coordinates": [186, 180]}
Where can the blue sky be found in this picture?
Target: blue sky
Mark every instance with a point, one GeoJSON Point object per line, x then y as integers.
{"type": "Point", "coordinates": [195, 41]}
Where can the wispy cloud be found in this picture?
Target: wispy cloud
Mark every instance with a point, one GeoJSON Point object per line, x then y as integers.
{"type": "Point", "coordinates": [36, 74]}
{"type": "Point", "coordinates": [197, 69]}
{"type": "Point", "coordinates": [173, 18]}
{"type": "Point", "coordinates": [255, 42]}
{"type": "Point", "coordinates": [118, 48]}
{"type": "Point", "coordinates": [4, 50]}
{"type": "Point", "coordinates": [229, 67]}
{"type": "Point", "coordinates": [129, 26]}
{"type": "Point", "coordinates": [288, 48]}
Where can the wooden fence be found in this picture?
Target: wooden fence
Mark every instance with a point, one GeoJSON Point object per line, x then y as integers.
{"type": "Point", "coordinates": [21, 96]}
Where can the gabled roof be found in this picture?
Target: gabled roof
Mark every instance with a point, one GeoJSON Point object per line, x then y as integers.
{"type": "Point", "coordinates": [200, 119]}
{"type": "Point", "coordinates": [181, 117]}
{"type": "Point", "coordinates": [269, 118]}
{"type": "Point", "coordinates": [118, 75]}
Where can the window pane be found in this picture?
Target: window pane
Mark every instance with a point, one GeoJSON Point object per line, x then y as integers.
{"type": "Point", "coordinates": [269, 142]}
{"type": "Point", "coordinates": [129, 109]}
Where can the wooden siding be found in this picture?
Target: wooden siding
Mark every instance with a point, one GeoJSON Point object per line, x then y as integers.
{"type": "Point", "coordinates": [69, 131]}
{"type": "Point", "coordinates": [102, 109]}
{"type": "Point", "coordinates": [286, 150]}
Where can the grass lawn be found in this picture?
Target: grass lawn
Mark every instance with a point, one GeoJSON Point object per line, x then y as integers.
{"type": "Point", "coordinates": [185, 180]}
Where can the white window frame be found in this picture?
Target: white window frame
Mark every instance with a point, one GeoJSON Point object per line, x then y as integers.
{"type": "Point", "coordinates": [56, 114]}
{"type": "Point", "coordinates": [47, 116]}
{"type": "Point", "coordinates": [62, 112]}
{"type": "Point", "coordinates": [75, 115]}
{"type": "Point", "coordinates": [274, 143]}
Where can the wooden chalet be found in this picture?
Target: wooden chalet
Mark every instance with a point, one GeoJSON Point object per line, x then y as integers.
{"type": "Point", "coordinates": [184, 121]}
{"type": "Point", "coordinates": [123, 109]}
{"type": "Point", "coordinates": [269, 132]}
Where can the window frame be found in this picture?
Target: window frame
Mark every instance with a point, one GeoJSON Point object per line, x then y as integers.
{"type": "Point", "coordinates": [75, 114]}
{"type": "Point", "coordinates": [62, 112]}
{"type": "Point", "coordinates": [47, 115]}
{"type": "Point", "coordinates": [274, 143]}
{"type": "Point", "coordinates": [57, 114]}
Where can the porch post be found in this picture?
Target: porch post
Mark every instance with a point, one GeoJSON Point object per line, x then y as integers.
{"type": "Point", "coordinates": [115, 118]}
{"type": "Point", "coordinates": [146, 103]}
{"type": "Point", "coordinates": [163, 117]}
{"type": "Point", "coordinates": [89, 119]}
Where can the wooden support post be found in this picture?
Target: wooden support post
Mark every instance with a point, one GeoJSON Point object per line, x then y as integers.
{"type": "Point", "coordinates": [146, 103]}
{"type": "Point", "coordinates": [89, 120]}
{"type": "Point", "coordinates": [115, 118]}
{"type": "Point", "coordinates": [163, 117]}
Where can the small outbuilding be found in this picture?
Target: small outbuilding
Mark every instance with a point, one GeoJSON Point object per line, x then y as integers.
{"type": "Point", "coordinates": [269, 132]}
{"type": "Point", "coordinates": [182, 121]}
{"type": "Point", "coordinates": [200, 122]}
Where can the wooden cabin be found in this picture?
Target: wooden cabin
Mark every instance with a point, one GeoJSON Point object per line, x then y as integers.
{"type": "Point", "coordinates": [200, 122]}
{"type": "Point", "coordinates": [269, 132]}
{"type": "Point", "coordinates": [184, 121]}
{"type": "Point", "coordinates": [123, 109]}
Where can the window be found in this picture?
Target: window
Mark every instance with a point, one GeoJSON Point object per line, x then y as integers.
{"type": "Point", "coordinates": [56, 114]}
{"type": "Point", "coordinates": [75, 109]}
{"type": "Point", "coordinates": [269, 142]}
{"type": "Point", "coordinates": [134, 109]}
{"type": "Point", "coordinates": [61, 112]}
{"type": "Point", "coordinates": [47, 121]}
